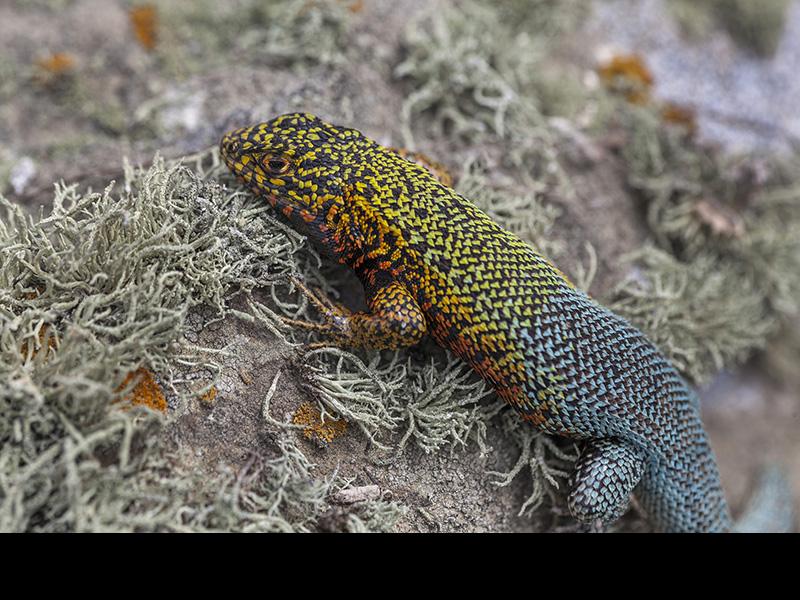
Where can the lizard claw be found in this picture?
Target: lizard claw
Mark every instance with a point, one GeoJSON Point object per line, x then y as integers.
{"type": "Point", "coordinates": [336, 317]}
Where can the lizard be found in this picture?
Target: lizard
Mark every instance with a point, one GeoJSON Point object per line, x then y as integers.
{"type": "Point", "coordinates": [432, 263]}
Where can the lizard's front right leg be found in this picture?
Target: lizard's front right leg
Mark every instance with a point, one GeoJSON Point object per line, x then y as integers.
{"type": "Point", "coordinates": [394, 320]}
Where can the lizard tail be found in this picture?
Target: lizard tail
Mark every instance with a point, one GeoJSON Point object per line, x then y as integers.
{"type": "Point", "coordinates": [770, 508]}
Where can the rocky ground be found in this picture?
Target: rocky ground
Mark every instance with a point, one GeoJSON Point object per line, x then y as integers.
{"type": "Point", "coordinates": [120, 99]}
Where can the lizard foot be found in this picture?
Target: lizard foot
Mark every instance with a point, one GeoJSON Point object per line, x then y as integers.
{"type": "Point", "coordinates": [605, 475]}
{"type": "Point", "coordinates": [336, 318]}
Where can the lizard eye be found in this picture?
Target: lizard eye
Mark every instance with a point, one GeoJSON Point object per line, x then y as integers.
{"type": "Point", "coordinates": [275, 164]}
{"type": "Point", "coordinates": [232, 147]}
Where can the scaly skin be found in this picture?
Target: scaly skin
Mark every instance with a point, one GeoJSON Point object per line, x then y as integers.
{"type": "Point", "coordinates": [432, 263]}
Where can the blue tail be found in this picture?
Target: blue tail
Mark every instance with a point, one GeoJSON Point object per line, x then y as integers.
{"type": "Point", "coordinates": [770, 508]}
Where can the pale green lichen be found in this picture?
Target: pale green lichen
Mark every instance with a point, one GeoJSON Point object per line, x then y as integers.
{"type": "Point", "coordinates": [544, 17]}
{"type": "Point", "coordinates": [293, 33]}
{"type": "Point", "coordinates": [706, 315]}
{"type": "Point", "coordinates": [731, 230]}
{"type": "Point", "coordinates": [45, 4]}
{"type": "Point", "coordinates": [377, 516]}
{"type": "Point", "coordinates": [361, 393]}
{"type": "Point", "coordinates": [694, 17]}
{"type": "Point", "coordinates": [91, 291]}
{"type": "Point", "coordinates": [8, 81]}
{"type": "Point", "coordinates": [547, 459]}
{"type": "Point", "coordinates": [471, 77]}
{"type": "Point", "coordinates": [757, 26]}
{"type": "Point", "coordinates": [456, 70]}
{"type": "Point", "coordinates": [433, 404]}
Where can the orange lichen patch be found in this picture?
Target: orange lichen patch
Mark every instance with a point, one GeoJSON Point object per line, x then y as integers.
{"type": "Point", "coordinates": [35, 293]}
{"type": "Point", "coordinates": [356, 7]}
{"type": "Point", "coordinates": [324, 431]}
{"type": "Point", "coordinates": [47, 340]}
{"type": "Point", "coordinates": [679, 115]}
{"type": "Point", "coordinates": [628, 75]}
{"type": "Point", "coordinates": [57, 63]}
{"type": "Point", "coordinates": [54, 67]}
{"type": "Point", "coordinates": [144, 19]}
{"type": "Point", "coordinates": [209, 396]}
{"type": "Point", "coordinates": [146, 391]}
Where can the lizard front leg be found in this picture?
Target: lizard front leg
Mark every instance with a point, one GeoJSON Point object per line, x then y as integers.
{"type": "Point", "coordinates": [394, 320]}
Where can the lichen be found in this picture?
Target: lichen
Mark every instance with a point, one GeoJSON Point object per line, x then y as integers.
{"type": "Point", "coordinates": [628, 75]}
{"type": "Point", "coordinates": [144, 21]}
{"type": "Point", "coordinates": [756, 26]}
{"type": "Point", "coordinates": [112, 276]}
{"type": "Point", "coordinates": [54, 67]}
{"type": "Point", "coordinates": [471, 77]}
{"type": "Point", "coordinates": [209, 396]}
{"type": "Point", "coordinates": [728, 270]}
{"type": "Point", "coordinates": [706, 315]}
{"type": "Point", "coordinates": [295, 33]}
{"type": "Point", "coordinates": [548, 460]}
{"type": "Point", "coordinates": [144, 392]}
{"type": "Point", "coordinates": [544, 17]}
{"type": "Point", "coordinates": [322, 430]}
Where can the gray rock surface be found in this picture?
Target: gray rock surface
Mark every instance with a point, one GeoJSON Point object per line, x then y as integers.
{"type": "Point", "coordinates": [744, 102]}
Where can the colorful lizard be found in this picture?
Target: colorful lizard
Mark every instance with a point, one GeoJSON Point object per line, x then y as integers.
{"type": "Point", "coordinates": [432, 263]}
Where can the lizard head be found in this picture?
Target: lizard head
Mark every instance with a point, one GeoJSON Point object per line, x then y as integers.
{"type": "Point", "coordinates": [296, 162]}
